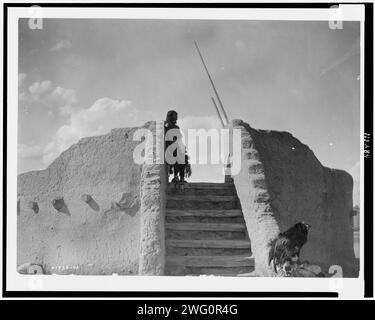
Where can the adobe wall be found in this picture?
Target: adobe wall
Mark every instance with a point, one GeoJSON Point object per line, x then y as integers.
{"type": "Point", "coordinates": [154, 183]}
{"type": "Point", "coordinates": [281, 183]}
{"type": "Point", "coordinates": [100, 236]}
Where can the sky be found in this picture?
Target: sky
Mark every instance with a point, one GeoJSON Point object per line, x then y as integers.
{"type": "Point", "coordinates": [83, 77]}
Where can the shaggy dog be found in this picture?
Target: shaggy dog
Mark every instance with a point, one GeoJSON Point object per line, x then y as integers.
{"type": "Point", "coordinates": [285, 249]}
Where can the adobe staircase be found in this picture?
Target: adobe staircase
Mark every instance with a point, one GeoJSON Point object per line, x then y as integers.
{"type": "Point", "coordinates": [206, 232]}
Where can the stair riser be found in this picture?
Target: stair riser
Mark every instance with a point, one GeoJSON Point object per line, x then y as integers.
{"type": "Point", "coordinates": [204, 219]}
{"type": "Point", "coordinates": [198, 235]}
{"type": "Point", "coordinates": [181, 271]}
{"type": "Point", "coordinates": [203, 205]}
{"type": "Point", "coordinates": [210, 261]}
{"type": "Point", "coordinates": [211, 186]}
{"type": "Point", "coordinates": [205, 232]}
{"type": "Point", "coordinates": [206, 251]}
{"type": "Point", "coordinates": [202, 192]}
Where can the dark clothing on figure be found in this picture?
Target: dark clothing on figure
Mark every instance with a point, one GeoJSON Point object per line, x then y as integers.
{"type": "Point", "coordinates": [169, 126]}
{"type": "Point", "coordinates": [178, 169]}
{"type": "Point", "coordinates": [183, 170]}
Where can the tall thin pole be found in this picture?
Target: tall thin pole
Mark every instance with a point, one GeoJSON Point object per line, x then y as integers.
{"type": "Point", "coordinates": [213, 85]}
{"type": "Point", "coordinates": [218, 112]}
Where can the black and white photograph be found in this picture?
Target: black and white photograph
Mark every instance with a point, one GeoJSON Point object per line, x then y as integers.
{"type": "Point", "coordinates": [185, 149]}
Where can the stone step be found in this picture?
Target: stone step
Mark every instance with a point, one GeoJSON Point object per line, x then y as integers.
{"type": "Point", "coordinates": [210, 271]}
{"type": "Point", "coordinates": [196, 251]}
{"type": "Point", "coordinates": [194, 189]}
{"type": "Point", "coordinates": [210, 261]}
{"type": "Point", "coordinates": [204, 213]}
{"type": "Point", "coordinates": [233, 244]}
{"type": "Point", "coordinates": [204, 216]}
{"type": "Point", "coordinates": [206, 226]}
{"type": "Point", "coordinates": [199, 192]}
{"type": "Point", "coordinates": [205, 232]}
{"type": "Point", "coordinates": [208, 185]}
{"type": "Point", "coordinates": [201, 198]}
{"type": "Point", "coordinates": [194, 203]}
{"type": "Point", "coordinates": [204, 235]}
{"type": "Point", "coordinates": [203, 219]}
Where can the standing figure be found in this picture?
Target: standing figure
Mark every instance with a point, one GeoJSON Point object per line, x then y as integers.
{"type": "Point", "coordinates": [182, 168]}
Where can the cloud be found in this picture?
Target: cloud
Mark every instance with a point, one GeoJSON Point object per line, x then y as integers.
{"type": "Point", "coordinates": [30, 151]}
{"type": "Point", "coordinates": [45, 93]}
{"type": "Point", "coordinates": [66, 98]}
{"type": "Point", "coordinates": [22, 96]}
{"type": "Point", "coordinates": [61, 45]}
{"type": "Point", "coordinates": [39, 88]}
{"type": "Point", "coordinates": [104, 115]}
{"type": "Point", "coordinates": [98, 119]}
{"type": "Point", "coordinates": [21, 79]}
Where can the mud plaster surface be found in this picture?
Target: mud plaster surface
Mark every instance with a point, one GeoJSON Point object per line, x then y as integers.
{"type": "Point", "coordinates": [281, 183]}
{"type": "Point", "coordinates": [101, 236]}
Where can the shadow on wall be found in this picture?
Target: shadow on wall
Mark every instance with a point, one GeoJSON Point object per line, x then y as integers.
{"type": "Point", "coordinates": [60, 205]}
{"type": "Point", "coordinates": [90, 202]}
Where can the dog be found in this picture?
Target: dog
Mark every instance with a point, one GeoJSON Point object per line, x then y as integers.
{"type": "Point", "coordinates": [286, 247]}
